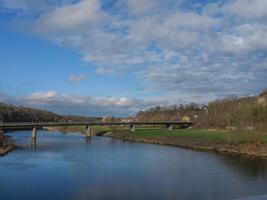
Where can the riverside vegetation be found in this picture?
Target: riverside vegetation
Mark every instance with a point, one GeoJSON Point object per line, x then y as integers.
{"type": "Point", "coordinates": [233, 125]}
{"type": "Point", "coordinates": [241, 143]}
{"type": "Point", "coordinates": [6, 144]}
{"type": "Point", "coordinates": [234, 143]}
{"type": "Point", "coordinates": [246, 113]}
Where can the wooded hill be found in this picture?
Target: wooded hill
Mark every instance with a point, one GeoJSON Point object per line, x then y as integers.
{"type": "Point", "coordinates": [10, 113]}
{"type": "Point", "coordinates": [247, 113]}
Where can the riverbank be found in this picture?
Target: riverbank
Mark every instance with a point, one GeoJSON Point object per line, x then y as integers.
{"type": "Point", "coordinates": [246, 144]}
{"type": "Point", "coordinates": [79, 129]}
{"type": "Point", "coordinates": [240, 144]}
{"type": "Point", "coordinates": [6, 144]}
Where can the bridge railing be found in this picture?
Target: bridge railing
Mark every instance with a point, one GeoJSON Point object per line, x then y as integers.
{"type": "Point", "coordinates": [38, 124]}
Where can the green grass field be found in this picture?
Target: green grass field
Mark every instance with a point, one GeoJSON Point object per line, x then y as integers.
{"type": "Point", "coordinates": [214, 135]}
{"type": "Point", "coordinates": [211, 135]}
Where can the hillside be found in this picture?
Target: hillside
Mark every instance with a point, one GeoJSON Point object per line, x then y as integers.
{"type": "Point", "coordinates": [10, 113]}
{"type": "Point", "coordinates": [231, 113]}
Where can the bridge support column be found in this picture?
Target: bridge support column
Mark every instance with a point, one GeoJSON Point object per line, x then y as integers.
{"type": "Point", "coordinates": [169, 127]}
{"type": "Point", "coordinates": [33, 143]}
{"type": "Point", "coordinates": [88, 140]}
{"type": "Point", "coordinates": [34, 133]}
{"type": "Point", "coordinates": [132, 128]}
{"type": "Point", "coordinates": [88, 132]}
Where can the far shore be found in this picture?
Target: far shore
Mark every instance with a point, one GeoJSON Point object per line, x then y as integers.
{"type": "Point", "coordinates": [245, 144]}
{"type": "Point", "coordinates": [6, 144]}
{"type": "Point", "coordinates": [253, 148]}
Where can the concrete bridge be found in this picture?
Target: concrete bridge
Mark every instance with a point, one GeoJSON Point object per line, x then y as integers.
{"type": "Point", "coordinates": [39, 125]}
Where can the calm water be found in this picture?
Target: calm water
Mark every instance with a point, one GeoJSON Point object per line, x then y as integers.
{"type": "Point", "coordinates": [65, 166]}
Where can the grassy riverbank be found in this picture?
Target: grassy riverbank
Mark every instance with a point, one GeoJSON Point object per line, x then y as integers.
{"type": "Point", "coordinates": [211, 135]}
{"type": "Point", "coordinates": [236, 143]}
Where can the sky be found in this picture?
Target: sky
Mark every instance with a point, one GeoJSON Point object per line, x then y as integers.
{"type": "Point", "coordinates": [116, 57]}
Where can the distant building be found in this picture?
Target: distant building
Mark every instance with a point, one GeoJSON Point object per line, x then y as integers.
{"type": "Point", "coordinates": [262, 101]}
{"type": "Point", "coordinates": [107, 118]}
{"type": "Point", "coordinates": [186, 119]}
{"type": "Point", "coordinates": [129, 119]}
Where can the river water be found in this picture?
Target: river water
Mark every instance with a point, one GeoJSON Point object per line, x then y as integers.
{"type": "Point", "coordinates": [66, 166]}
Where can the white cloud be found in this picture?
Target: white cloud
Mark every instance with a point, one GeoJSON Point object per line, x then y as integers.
{"type": "Point", "coordinates": [72, 17]}
{"type": "Point", "coordinates": [77, 78]}
{"type": "Point", "coordinates": [250, 9]}
{"type": "Point", "coordinates": [146, 7]}
{"type": "Point", "coordinates": [242, 40]}
{"type": "Point", "coordinates": [142, 6]}
{"type": "Point", "coordinates": [84, 105]}
{"type": "Point", "coordinates": [42, 96]}
{"type": "Point", "coordinates": [29, 7]}
{"type": "Point", "coordinates": [198, 54]}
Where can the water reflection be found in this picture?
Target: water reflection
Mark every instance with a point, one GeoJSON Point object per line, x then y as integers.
{"type": "Point", "coordinates": [88, 140]}
{"type": "Point", "coordinates": [253, 167]}
{"type": "Point", "coordinates": [33, 144]}
{"type": "Point", "coordinates": [71, 166]}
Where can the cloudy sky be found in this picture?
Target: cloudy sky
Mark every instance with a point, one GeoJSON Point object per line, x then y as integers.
{"type": "Point", "coordinates": [99, 57]}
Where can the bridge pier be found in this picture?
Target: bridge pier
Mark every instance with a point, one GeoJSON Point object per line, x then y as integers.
{"type": "Point", "coordinates": [34, 133]}
{"type": "Point", "coordinates": [88, 132]}
{"type": "Point", "coordinates": [33, 143]}
{"type": "Point", "coordinates": [88, 140]}
{"type": "Point", "coordinates": [132, 128]}
{"type": "Point", "coordinates": [169, 127]}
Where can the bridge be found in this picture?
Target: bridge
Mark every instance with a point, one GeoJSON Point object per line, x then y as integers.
{"type": "Point", "coordinates": [40, 125]}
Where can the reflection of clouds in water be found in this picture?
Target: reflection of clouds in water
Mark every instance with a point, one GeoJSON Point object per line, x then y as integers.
{"type": "Point", "coordinates": [109, 191]}
{"type": "Point", "coordinates": [125, 187]}
{"type": "Point", "coordinates": [17, 165]}
{"type": "Point", "coordinates": [47, 141]}
{"type": "Point", "coordinates": [112, 169]}
{"type": "Point", "coordinates": [258, 197]}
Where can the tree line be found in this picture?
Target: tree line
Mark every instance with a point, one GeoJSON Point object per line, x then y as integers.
{"type": "Point", "coordinates": [232, 113]}
{"type": "Point", "coordinates": [11, 113]}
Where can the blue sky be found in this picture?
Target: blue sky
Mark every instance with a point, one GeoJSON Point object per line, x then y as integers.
{"type": "Point", "coordinates": [115, 57]}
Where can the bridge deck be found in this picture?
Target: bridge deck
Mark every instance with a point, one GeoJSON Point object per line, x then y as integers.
{"type": "Point", "coordinates": [53, 124]}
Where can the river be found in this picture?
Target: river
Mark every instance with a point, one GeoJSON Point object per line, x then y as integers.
{"type": "Point", "coordinates": [66, 166]}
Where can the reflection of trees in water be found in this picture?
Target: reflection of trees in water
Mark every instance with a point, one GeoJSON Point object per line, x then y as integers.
{"type": "Point", "coordinates": [254, 167]}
